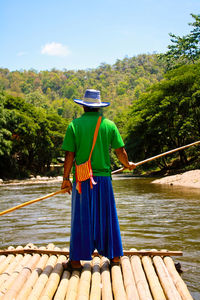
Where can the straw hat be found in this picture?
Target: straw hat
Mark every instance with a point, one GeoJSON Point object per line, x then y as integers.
{"type": "Point", "coordinates": [92, 99]}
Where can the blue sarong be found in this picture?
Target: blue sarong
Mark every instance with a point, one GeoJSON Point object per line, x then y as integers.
{"type": "Point", "coordinates": [94, 221]}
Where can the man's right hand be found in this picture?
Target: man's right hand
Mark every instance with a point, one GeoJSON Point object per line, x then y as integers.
{"type": "Point", "coordinates": [131, 165]}
{"type": "Point", "coordinates": [123, 157]}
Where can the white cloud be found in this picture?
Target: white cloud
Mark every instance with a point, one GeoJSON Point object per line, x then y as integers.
{"type": "Point", "coordinates": [55, 49]}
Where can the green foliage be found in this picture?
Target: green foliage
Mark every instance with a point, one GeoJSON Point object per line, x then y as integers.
{"type": "Point", "coordinates": [5, 134]}
{"type": "Point", "coordinates": [167, 116]}
{"type": "Point", "coordinates": [30, 138]}
{"type": "Point", "coordinates": [185, 49]}
{"type": "Point", "coordinates": [121, 84]}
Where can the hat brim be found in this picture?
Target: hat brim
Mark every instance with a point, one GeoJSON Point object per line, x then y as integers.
{"type": "Point", "coordinates": [91, 104]}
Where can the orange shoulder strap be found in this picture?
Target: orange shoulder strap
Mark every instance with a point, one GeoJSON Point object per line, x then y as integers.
{"type": "Point", "coordinates": [95, 135]}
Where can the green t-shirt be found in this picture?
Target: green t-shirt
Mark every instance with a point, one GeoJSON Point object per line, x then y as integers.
{"type": "Point", "coordinates": [79, 138]}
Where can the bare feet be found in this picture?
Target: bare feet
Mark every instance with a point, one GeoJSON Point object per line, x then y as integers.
{"type": "Point", "coordinates": [72, 265]}
{"type": "Point", "coordinates": [115, 259]}
{"type": "Point", "coordinates": [76, 264]}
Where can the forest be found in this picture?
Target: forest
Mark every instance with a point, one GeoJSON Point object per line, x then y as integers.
{"type": "Point", "coordinates": [155, 102]}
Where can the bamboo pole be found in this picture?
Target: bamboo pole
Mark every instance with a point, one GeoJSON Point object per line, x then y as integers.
{"type": "Point", "coordinates": [152, 278]}
{"type": "Point", "coordinates": [114, 172]}
{"type": "Point", "coordinates": [140, 279]}
{"type": "Point", "coordinates": [42, 280]}
{"type": "Point", "coordinates": [95, 293]}
{"type": "Point", "coordinates": [63, 286]}
{"type": "Point", "coordinates": [178, 281]}
{"type": "Point", "coordinates": [73, 286]}
{"type": "Point", "coordinates": [129, 282]}
{"type": "Point", "coordinates": [84, 284]}
{"type": "Point", "coordinates": [165, 279]}
{"type": "Point", "coordinates": [53, 280]}
{"type": "Point", "coordinates": [157, 156]}
{"type": "Point", "coordinates": [117, 283]}
{"type": "Point", "coordinates": [31, 202]}
{"type": "Point", "coordinates": [25, 292]}
{"type": "Point", "coordinates": [66, 253]}
{"type": "Point", "coordinates": [106, 280]}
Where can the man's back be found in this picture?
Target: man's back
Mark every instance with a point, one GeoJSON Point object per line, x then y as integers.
{"type": "Point", "coordinates": [79, 138]}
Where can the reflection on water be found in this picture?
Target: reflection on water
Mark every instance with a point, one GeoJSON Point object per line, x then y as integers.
{"type": "Point", "coordinates": [150, 216]}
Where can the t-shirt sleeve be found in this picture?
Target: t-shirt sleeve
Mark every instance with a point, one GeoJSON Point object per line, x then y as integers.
{"type": "Point", "coordinates": [116, 141]}
{"type": "Point", "coordinates": [69, 139]}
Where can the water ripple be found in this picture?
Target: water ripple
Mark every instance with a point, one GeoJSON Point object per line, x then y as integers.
{"type": "Point", "coordinates": [150, 216]}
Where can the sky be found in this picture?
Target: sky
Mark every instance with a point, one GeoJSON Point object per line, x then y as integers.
{"type": "Point", "coordinates": [75, 34]}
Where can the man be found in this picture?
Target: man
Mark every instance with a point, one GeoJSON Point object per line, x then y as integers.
{"type": "Point", "coordinates": [94, 221]}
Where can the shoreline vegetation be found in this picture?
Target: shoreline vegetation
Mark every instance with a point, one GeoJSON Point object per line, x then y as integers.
{"type": "Point", "coordinates": [190, 179]}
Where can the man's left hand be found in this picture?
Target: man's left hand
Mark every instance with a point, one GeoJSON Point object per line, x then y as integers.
{"type": "Point", "coordinates": [67, 185]}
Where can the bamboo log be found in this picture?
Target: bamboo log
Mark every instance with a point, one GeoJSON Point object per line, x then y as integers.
{"type": "Point", "coordinates": [14, 290]}
{"type": "Point", "coordinates": [66, 253]}
{"type": "Point", "coordinates": [165, 279]}
{"type": "Point", "coordinates": [6, 285]}
{"type": "Point", "coordinates": [2, 258]}
{"type": "Point", "coordinates": [11, 267]}
{"type": "Point", "coordinates": [157, 156]}
{"type": "Point", "coordinates": [106, 280]}
{"type": "Point", "coordinates": [53, 280]}
{"type": "Point", "coordinates": [42, 280]}
{"type": "Point", "coordinates": [140, 279]}
{"type": "Point", "coordinates": [152, 278]}
{"type": "Point", "coordinates": [84, 284]}
{"type": "Point", "coordinates": [31, 202]}
{"type": "Point", "coordinates": [73, 286]}
{"type": "Point", "coordinates": [95, 293]}
{"type": "Point", "coordinates": [8, 271]}
{"type": "Point", "coordinates": [62, 288]}
{"type": "Point", "coordinates": [28, 287]}
{"type": "Point", "coordinates": [117, 283]}
{"type": "Point", "coordinates": [129, 282]}
{"type": "Point", "coordinates": [178, 281]}
{"type": "Point", "coordinates": [6, 261]}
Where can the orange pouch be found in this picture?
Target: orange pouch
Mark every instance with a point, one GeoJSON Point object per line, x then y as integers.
{"type": "Point", "coordinates": [84, 172]}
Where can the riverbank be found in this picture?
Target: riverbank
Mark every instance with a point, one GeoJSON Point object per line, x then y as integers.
{"type": "Point", "coordinates": [186, 179]}
{"type": "Point", "coordinates": [32, 180]}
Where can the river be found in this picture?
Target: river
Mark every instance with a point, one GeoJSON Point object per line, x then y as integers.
{"type": "Point", "coordinates": [151, 216]}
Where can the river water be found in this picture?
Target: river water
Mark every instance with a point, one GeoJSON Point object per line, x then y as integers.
{"type": "Point", "coordinates": [151, 216]}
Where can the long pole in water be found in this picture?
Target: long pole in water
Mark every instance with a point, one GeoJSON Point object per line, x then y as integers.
{"type": "Point", "coordinates": [114, 172]}
{"type": "Point", "coordinates": [30, 202]}
{"type": "Point", "coordinates": [157, 156]}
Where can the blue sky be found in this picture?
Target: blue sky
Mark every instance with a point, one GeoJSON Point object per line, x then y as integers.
{"type": "Point", "coordinates": [75, 34]}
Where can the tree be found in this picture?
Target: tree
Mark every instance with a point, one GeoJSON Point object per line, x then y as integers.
{"type": "Point", "coordinates": [31, 137]}
{"type": "Point", "coordinates": [5, 134]}
{"type": "Point", "coordinates": [167, 116]}
{"type": "Point", "coordinates": [185, 49]}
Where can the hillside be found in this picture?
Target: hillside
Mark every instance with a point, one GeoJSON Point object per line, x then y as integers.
{"type": "Point", "coordinates": [121, 84]}
{"type": "Point", "coordinates": [154, 110]}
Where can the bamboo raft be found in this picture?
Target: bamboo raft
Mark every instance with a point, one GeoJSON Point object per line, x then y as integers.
{"type": "Point", "coordinates": [32, 273]}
